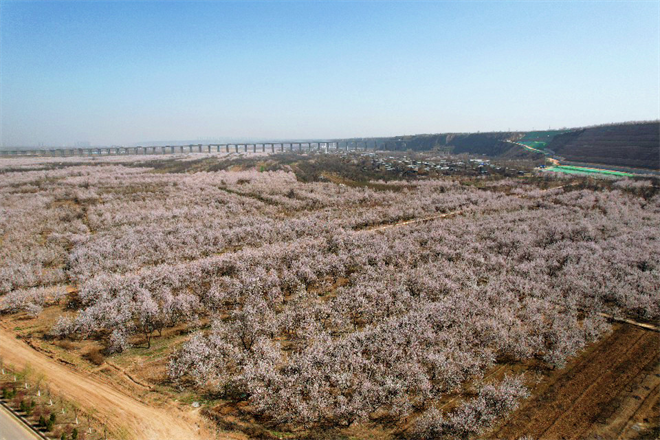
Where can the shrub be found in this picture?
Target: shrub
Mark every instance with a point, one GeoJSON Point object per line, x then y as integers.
{"type": "Point", "coordinates": [95, 356]}
{"type": "Point", "coordinates": [8, 393]}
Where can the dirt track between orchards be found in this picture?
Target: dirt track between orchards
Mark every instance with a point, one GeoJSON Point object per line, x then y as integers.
{"type": "Point", "coordinates": [119, 411]}
{"type": "Point", "coordinates": [413, 221]}
{"type": "Point", "coordinates": [611, 392]}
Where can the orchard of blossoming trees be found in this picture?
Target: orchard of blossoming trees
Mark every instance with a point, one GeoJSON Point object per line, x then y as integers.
{"type": "Point", "coordinates": [301, 298]}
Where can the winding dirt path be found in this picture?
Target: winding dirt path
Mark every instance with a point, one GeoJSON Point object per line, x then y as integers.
{"type": "Point", "coordinates": [119, 411]}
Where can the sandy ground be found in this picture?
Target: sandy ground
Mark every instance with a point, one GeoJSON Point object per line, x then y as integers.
{"type": "Point", "coordinates": [119, 411]}
{"type": "Point", "coordinates": [609, 392]}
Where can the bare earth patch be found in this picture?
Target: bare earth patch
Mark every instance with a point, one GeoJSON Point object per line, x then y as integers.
{"type": "Point", "coordinates": [610, 391]}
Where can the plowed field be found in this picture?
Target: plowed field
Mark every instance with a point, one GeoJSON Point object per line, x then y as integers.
{"type": "Point", "coordinates": [609, 392]}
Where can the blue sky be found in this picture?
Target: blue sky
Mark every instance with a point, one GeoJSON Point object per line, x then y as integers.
{"type": "Point", "coordinates": [125, 72]}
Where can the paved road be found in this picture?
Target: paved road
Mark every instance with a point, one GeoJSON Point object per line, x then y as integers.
{"type": "Point", "coordinates": [12, 429]}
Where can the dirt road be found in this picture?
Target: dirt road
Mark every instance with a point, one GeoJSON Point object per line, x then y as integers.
{"type": "Point", "coordinates": [120, 412]}
{"type": "Point", "coordinates": [608, 392]}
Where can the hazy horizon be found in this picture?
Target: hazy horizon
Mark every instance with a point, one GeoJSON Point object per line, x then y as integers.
{"type": "Point", "coordinates": [241, 140]}
{"type": "Point", "coordinates": [136, 72]}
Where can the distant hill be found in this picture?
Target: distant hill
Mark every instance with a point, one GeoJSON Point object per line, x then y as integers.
{"type": "Point", "coordinates": [491, 144]}
{"type": "Point", "coordinates": [629, 145]}
{"type": "Point", "coordinates": [635, 145]}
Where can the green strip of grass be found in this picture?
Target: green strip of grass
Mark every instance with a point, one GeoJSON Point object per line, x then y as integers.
{"type": "Point", "coordinates": [582, 170]}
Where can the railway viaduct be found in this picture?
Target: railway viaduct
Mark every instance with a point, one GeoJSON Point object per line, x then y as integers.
{"type": "Point", "coordinates": [252, 147]}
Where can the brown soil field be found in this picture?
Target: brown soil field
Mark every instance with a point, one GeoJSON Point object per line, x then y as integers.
{"type": "Point", "coordinates": [608, 392]}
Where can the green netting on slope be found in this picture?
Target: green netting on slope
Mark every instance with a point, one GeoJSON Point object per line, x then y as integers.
{"type": "Point", "coordinates": [542, 136]}
{"type": "Point", "coordinates": [539, 140]}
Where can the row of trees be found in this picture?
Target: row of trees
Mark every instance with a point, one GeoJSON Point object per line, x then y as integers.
{"type": "Point", "coordinates": [322, 320]}
{"type": "Point", "coordinates": [474, 415]}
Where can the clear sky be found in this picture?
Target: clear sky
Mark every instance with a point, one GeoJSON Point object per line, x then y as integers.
{"type": "Point", "coordinates": [125, 72]}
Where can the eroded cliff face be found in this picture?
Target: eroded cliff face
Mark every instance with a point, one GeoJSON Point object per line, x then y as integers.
{"type": "Point", "coordinates": [474, 143]}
